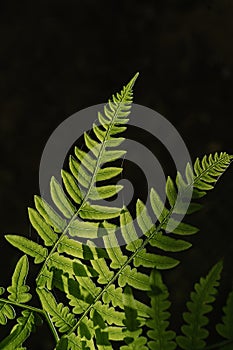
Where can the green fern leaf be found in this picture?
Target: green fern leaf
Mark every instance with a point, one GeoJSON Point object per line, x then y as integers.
{"type": "Point", "coordinates": [70, 266]}
{"type": "Point", "coordinates": [225, 329]}
{"type": "Point", "coordinates": [134, 278]}
{"type": "Point", "coordinates": [60, 199]}
{"type": "Point", "coordinates": [61, 315]}
{"type": "Point", "coordinates": [44, 230]}
{"type": "Point", "coordinates": [98, 212]}
{"type": "Point", "coordinates": [115, 296]}
{"type": "Point", "coordinates": [71, 186]}
{"type": "Point", "coordinates": [179, 228]}
{"type": "Point", "coordinates": [103, 192]}
{"type": "Point", "coordinates": [79, 250]}
{"type": "Point", "coordinates": [45, 279]}
{"type": "Point", "coordinates": [169, 244]}
{"type": "Point", "coordinates": [171, 192]}
{"type": "Point", "coordinates": [61, 262]}
{"type": "Point", "coordinates": [162, 339]}
{"type": "Point", "coordinates": [89, 286]}
{"type": "Point", "coordinates": [104, 174]}
{"type": "Point", "coordinates": [128, 231]}
{"type": "Point", "coordinates": [104, 273]}
{"type": "Point", "coordinates": [26, 324]}
{"type": "Point", "coordinates": [6, 312]}
{"type": "Point", "coordinates": [49, 214]}
{"type": "Point", "coordinates": [79, 305]}
{"type": "Point", "coordinates": [85, 160]}
{"type": "Point", "coordinates": [28, 247]}
{"type": "Point", "coordinates": [154, 261]}
{"type": "Point", "coordinates": [111, 246]}
{"type": "Point", "coordinates": [204, 294]}
{"type": "Point", "coordinates": [111, 156]}
{"type": "Point", "coordinates": [83, 229]}
{"type": "Point", "coordinates": [80, 174]}
{"type": "Point", "coordinates": [109, 314]}
{"type": "Point", "coordinates": [19, 290]}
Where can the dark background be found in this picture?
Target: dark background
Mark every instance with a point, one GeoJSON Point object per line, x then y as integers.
{"type": "Point", "coordinates": [58, 57]}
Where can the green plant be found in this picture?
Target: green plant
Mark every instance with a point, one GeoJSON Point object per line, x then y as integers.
{"type": "Point", "coordinates": [99, 284]}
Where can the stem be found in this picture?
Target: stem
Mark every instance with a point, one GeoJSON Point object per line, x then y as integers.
{"type": "Point", "coordinates": [51, 326]}
{"type": "Point", "coordinates": [34, 309]}
{"type": "Point", "coordinates": [218, 345]}
{"type": "Point", "coordinates": [28, 307]}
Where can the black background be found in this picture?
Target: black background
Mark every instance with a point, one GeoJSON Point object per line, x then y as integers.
{"type": "Point", "coordinates": [58, 57]}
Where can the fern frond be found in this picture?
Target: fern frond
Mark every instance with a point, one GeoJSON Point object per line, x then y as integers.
{"type": "Point", "coordinates": [209, 169]}
{"type": "Point", "coordinates": [126, 267]}
{"type": "Point", "coordinates": [162, 339]}
{"type": "Point", "coordinates": [99, 284]}
{"type": "Point", "coordinates": [20, 332]}
{"type": "Point", "coordinates": [225, 329]}
{"type": "Point", "coordinates": [205, 174]}
{"type": "Point", "coordinates": [204, 294]}
{"type": "Point", "coordinates": [87, 169]}
{"type": "Point", "coordinates": [19, 290]}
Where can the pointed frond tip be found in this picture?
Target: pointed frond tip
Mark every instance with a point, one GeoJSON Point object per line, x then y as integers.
{"type": "Point", "coordinates": [204, 174]}
{"type": "Point", "coordinates": [204, 294]}
{"type": "Point", "coordinates": [133, 80]}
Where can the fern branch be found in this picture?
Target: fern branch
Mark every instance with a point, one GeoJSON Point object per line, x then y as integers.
{"type": "Point", "coordinates": [97, 166]}
{"type": "Point", "coordinates": [152, 233]}
{"type": "Point", "coordinates": [22, 306]}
